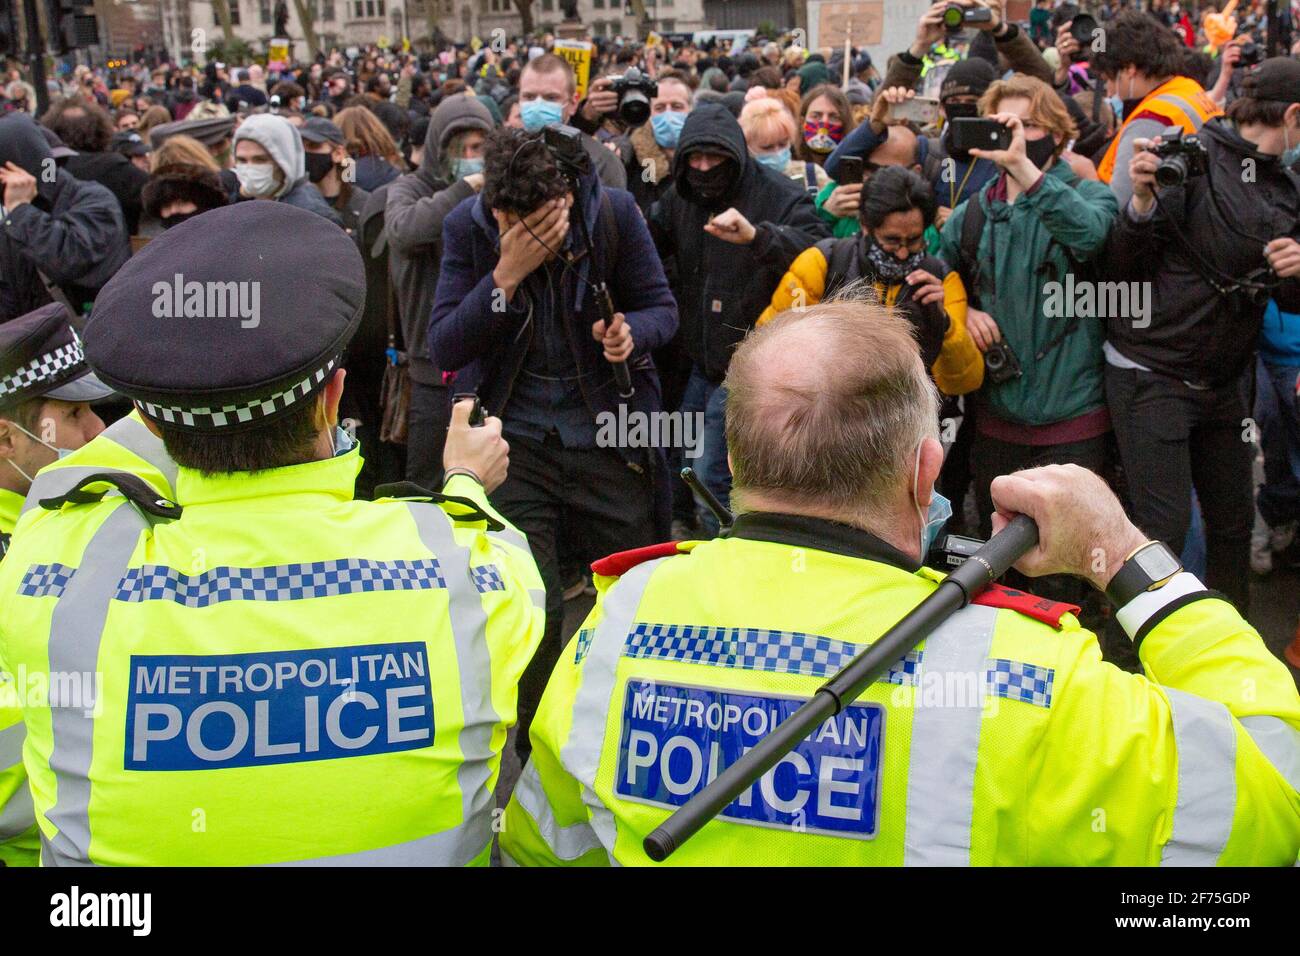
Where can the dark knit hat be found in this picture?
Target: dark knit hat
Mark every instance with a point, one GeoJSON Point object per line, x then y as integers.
{"type": "Point", "coordinates": [183, 181]}
{"type": "Point", "coordinates": [969, 77]}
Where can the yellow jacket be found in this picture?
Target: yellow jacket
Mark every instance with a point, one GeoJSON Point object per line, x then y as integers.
{"type": "Point", "coordinates": [1002, 739]}
{"type": "Point", "coordinates": [960, 366]}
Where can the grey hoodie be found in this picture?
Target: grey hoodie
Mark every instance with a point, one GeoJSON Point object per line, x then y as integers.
{"type": "Point", "coordinates": [283, 144]}
{"type": "Point", "coordinates": [416, 205]}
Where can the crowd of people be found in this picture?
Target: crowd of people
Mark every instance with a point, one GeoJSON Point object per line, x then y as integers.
{"type": "Point", "coordinates": [1090, 222]}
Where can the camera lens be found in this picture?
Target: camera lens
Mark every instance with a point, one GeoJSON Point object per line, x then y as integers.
{"type": "Point", "coordinates": [634, 108]}
{"type": "Point", "coordinates": [953, 16]}
{"type": "Point", "coordinates": [1172, 171]}
{"type": "Point", "coordinates": [994, 360]}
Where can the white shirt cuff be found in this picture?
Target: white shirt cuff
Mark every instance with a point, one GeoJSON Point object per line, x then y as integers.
{"type": "Point", "coordinates": [1133, 615]}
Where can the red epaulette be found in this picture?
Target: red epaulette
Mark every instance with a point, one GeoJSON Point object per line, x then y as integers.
{"type": "Point", "coordinates": [616, 565]}
{"type": "Point", "coordinates": [1031, 605]}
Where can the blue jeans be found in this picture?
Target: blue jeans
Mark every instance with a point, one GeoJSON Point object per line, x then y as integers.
{"type": "Point", "coordinates": [711, 465]}
{"type": "Point", "coordinates": [1277, 410]}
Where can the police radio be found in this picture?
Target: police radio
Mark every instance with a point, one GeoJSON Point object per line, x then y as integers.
{"type": "Point", "coordinates": [951, 551]}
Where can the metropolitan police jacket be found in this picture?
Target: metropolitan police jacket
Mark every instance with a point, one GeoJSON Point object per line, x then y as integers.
{"type": "Point", "coordinates": [1002, 738]}
{"type": "Point", "coordinates": [264, 670]}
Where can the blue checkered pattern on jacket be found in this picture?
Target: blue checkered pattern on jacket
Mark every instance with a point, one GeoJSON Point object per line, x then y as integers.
{"type": "Point", "coordinates": [753, 648]}
{"type": "Point", "coordinates": [584, 643]}
{"type": "Point", "coordinates": [280, 582]}
{"type": "Point", "coordinates": [487, 577]}
{"type": "Point", "coordinates": [1015, 680]}
{"type": "Point", "coordinates": [45, 580]}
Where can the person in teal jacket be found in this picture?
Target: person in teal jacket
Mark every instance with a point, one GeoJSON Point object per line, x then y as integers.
{"type": "Point", "coordinates": [1041, 224]}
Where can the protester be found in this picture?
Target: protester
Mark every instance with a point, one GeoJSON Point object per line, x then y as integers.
{"type": "Point", "coordinates": [373, 150]}
{"type": "Point", "coordinates": [325, 155]}
{"type": "Point", "coordinates": [271, 165]}
{"type": "Point", "coordinates": [86, 128]}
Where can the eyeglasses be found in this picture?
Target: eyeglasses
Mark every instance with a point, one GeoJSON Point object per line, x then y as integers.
{"type": "Point", "coordinates": [893, 243]}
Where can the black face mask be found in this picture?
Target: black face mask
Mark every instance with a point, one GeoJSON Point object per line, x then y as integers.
{"type": "Point", "coordinates": [318, 165]}
{"type": "Point", "coordinates": [960, 111]}
{"type": "Point", "coordinates": [1039, 151]}
{"type": "Point", "coordinates": [178, 218]}
{"type": "Point", "coordinates": [711, 185]}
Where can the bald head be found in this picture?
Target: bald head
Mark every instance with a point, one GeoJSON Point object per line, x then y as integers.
{"type": "Point", "coordinates": [898, 150]}
{"type": "Point", "coordinates": [825, 409]}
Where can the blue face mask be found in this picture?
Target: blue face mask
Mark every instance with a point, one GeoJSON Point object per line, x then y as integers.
{"type": "Point", "coordinates": [460, 168]}
{"type": "Point", "coordinates": [668, 128]}
{"type": "Point", "coordinates": [538, 113]}
{"type": "Point", "coordinates": [343, 442]}
{"type": "Point", "coordinates": [1117, 105]}
{"type": "Point", "coordinates": [1291, 155]}
{"type": "Point", "coordinates": [776, 162]}
{"type": "Point", "coordinates": [937, 515]}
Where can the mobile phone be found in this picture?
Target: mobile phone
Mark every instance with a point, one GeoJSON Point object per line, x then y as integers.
{"type": "Point", "coordinates": [921, 110]}
{"type": "Point", "coordinates": [850, 171]}
{"type": "Point", "coordinates": [979, 133]}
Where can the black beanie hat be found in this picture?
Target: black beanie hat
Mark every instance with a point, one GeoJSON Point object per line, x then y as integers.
{"type": "Point", "coordinates": [969, 77]}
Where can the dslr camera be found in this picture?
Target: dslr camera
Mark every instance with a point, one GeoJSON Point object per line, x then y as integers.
{"type": "Point", "coordinates": [564, 143]}
{"type": "Point", "coordinates": [955, 16]}
{"type": "Point", "coordinates": [635, 91]}
{"type": "Point", "coordinates": [1001, 364]}
{"type": "Point", "coordinates": [1252, 54]}
{"type": "Point", "coordinates": [1181, 155]}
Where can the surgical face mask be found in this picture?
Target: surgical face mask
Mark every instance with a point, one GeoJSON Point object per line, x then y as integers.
{"type": "Point", "coordinates": [536, 114]}
{"type": "Point", "coordinates": [256, 179]}
{"type": "Point", "coordinates": [1290, 154]}
{"type": "Point", "coordinates": [776, 161]}
{"type": "Point", "coordinates": [59, 453]}
{"type": "Point", "coordinates": [822, 137]}
{"type": "Point", "coordinates": [343, 441]}
{"type": "Point", "coordinates": [667, 128]}
{"type": "Point", "coordinates": [933, 519]}
{"type": "Point", "coordinates": [318, 165]}
{"type": "Point", "coordinates": [1116, 107]}
{"type": "Point", "coordinates": [460, 168]}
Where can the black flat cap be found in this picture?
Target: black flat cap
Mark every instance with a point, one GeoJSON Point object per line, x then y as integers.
{"type": "Point", "coordinates": [40, 357]}
{"type": "Point", "coordinates": [318, 129]}
{"type": "Point", "coordinates": [1277, 78]}
{"type": "Point", "coordinates": [231, 318]}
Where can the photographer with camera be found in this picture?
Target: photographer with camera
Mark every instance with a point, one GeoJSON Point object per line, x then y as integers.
{"type": "Point", "coordinates": [1036, 222]}
{"type": "Point", "coordinates": [548, 95]}
{"type": "Point", "coordinates": [1215, 246]}
{"type": "Point", "coordinates": [1140, 63]}
{"type": "Point", "coordinates": [516, 316]}
{"type": "Point", "coordinates": [649, 161]}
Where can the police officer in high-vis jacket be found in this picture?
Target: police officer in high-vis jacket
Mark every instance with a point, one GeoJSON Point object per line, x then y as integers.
{"type": "Point", "coordinates": [252, 667]}
{"type": "Point", "coordinates": [1003, 738]}
{"type": "Point", "coordinates": [45, 391]}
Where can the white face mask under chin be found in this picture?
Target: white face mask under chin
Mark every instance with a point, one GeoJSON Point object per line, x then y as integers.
{"type": "Point", "coordinates": [59, 452]}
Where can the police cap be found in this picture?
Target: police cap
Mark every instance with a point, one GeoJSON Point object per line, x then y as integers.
{"type": "Point", "coordinates": [229, 319]}
{"type": "Point", "coordinates": [40, 357]}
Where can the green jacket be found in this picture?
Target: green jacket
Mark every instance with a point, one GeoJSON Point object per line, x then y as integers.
{"type": "Point", "coordinates": [1022, 253]}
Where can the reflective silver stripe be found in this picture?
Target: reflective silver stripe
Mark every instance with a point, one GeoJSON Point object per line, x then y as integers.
{"type": "Point", "coordinates": [11, 745]}
{"type": "Point", "coordinates": [945, 742]}
{"type": "Point", "coordinates": [581, 753]}
{"type": "Point", "coordinates": [127, 432]}
{"type": "Point", "coordinates": [567, 843]}
{"type": "Point", "coordinates": [1279, 742]}
{"type": "Point", "coordinates": [1189, 112]}
{"type": "Point", "coordinates": [1207, 780]}
{"type": "Point", "coordinates": [469, 634]}
{"type": "Point", "coordinates": [18, 815]}
{"type": "Point", "coordinates": [455, 847]}
{"type": "Point", "coordinates": [76, 629]}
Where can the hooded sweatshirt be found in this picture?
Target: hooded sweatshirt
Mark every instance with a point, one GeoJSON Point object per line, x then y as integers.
{"type": "Point", "coordinates": [416, 206]}
{"type": "Point", "coordinates": [715, 308]}
{"type": "Point", "coordinates": [73, 231]}
{"type": "Point", "coordinates": [283, 144]}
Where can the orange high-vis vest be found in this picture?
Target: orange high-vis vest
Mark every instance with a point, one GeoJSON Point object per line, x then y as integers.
{"type": "Point", "coordinates": [1179, 102]}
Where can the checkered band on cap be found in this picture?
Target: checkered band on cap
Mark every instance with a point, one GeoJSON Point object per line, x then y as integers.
{"type": "Point", "coordinates": [43, 368]}
{"type": "Point", "coordinates": [230, 415]}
